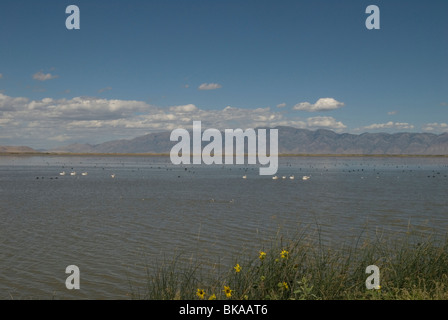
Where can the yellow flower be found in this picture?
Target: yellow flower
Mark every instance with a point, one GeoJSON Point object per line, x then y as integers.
{"type": "Point", "coordinates": [262, 255]}
{"type": "Point", "coordinates": [227, 291]}
{"type": "Point", "coordinates": [237, 268]}
{"type": "Point", "coordinates": [282, 285]}
{"type": "Point", "coordinates": [212, 297]}
{"type": "Point", "coordinates": [284, 254]}
{"type": "Point", "coordinates": [200, 293]}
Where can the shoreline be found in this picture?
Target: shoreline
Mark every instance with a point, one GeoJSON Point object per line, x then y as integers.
{"type": "Point", "coordinates": [87, 154]}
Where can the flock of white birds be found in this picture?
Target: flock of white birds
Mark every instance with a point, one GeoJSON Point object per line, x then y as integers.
{"type": "Point", "coordinates": [73, 173]}
{"type": "Point", "coordinates": [284, 177]}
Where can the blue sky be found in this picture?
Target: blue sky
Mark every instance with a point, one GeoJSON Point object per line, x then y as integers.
{"type": "Point", "coordinates": [136, 67]}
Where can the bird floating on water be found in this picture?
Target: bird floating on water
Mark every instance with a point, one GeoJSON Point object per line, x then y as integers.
{"type": "Point", "coordinates": [62, 173]}
{"type": "Point", "coordinates": [84, 173]}
{"type": "Point", "coordinates": [113, 175]}
{"type": "Point", "coordinates": [73, 173]}
{"type": "Point", "coordinates": [305, 177]}
{"type": "Point", "coordinates": [274, 178]}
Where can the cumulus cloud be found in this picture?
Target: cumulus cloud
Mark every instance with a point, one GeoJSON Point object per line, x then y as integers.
{"type": "Point", "coordinates": [60, 138]}
{"type": "Point", "coordinates": [72, 109]}
{"type": "Point", "coordinates": [40, 76]}
{"type": "Point", "coordinates": [281, 105]}
{"type": "Point", "coordinates": [389, 125]}
{"type": "Point", "coordinates": [325, 122]}
{"type": "Point", "coordinates": [438, 127]}
{"type": "Point", "coordinates": [9, 103]}
{"type": "Point", "coordinates": [209, 86]}
{"type": "Point", "coordinates": [323, 104]}
{"type": "Point", "coordinates": [184, 108]}
{"type": "Point", "coordinates": [49, 122]}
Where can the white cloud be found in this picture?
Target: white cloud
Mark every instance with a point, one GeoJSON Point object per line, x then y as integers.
{"type": "Point", "coordinates": [184, 108]}
{"type": "Point", "coordinates": [78, 108]}
{"type": "Point", "coordinates": [325, 122]}
{"type": "Point", "coordinates": [209, 86]}
{"type": "Point", "coordinates": [439, 127]}
{"type": "Point", "coordinates": [10, 103]}
{"type": "Point", "coordinates": [323, 104]}
{"type": "Point", "coordinates": [60, 138]}
{"type": "Point", "coordinates": [49, 122]}
{"type": "Point", "coordinates": [392, 113]}
{"type": "Point", "coordinates": [390, 125]}
{"type": "Point", "coordinates": [40, 76]}
{"type": "Point", "coordinates": [281, 105]}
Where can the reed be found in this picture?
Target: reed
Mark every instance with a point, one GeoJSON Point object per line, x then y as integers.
{"type": "Point", "coordinates": [412, 266]}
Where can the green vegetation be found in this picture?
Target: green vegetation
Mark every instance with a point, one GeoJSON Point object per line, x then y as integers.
{"type": "Point", "coordinates": [411, 267]}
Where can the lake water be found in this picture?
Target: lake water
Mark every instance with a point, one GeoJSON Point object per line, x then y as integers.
{"type": "Point", "coordinates": [113, 228]}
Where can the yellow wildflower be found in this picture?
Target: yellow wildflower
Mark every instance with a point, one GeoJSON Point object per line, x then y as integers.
{"type": "Point", "coordinates": [237, 268]}
{"type": "Point", "coordinates": [212, 297]}
{"type": "Point", "coordinates": [200, 293]}
{"type": "Point", "coordinates": [227, 291]}
{"type": "Point", "coordinates": [284, 254]}
{"type": "Point", "coordinates": [262, 255]}
{"type": "Point", "coordinates": [282, 285]}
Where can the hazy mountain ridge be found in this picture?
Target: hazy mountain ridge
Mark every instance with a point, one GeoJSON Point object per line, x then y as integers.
{"type": "Point", "coordinates": [16, 149]}
{"type": "Point", "coordinates": [294, 141]}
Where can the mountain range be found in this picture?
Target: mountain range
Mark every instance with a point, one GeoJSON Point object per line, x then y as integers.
{"type": "Point", "coordinates": [15, 149]}
{"type": "Point", "coordinates": [294, 141]}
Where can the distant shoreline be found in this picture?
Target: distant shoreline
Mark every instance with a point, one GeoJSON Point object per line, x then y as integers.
{"type": "Point", "coordinates": [72, 154]}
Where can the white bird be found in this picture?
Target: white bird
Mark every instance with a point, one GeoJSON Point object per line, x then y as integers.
{"type": "Point", "coordinates": [62, 173]}
{"type": "Point", "coordinates": [113, 175]}
{"type": "Point", "coordinates": [284, 177]}
{"type": "Point", "coordinates": [84, 173]}
{"type": "Point", "coordinates": [291, 177]}
{"type": "Point", "coordinates": [244, 177]}
{"type": "Point", "coordinates": [305, 177]}
{"type": "Point", "coordinates": [73, 173]}
{"type": "Point", "coordinates": [274, 178]}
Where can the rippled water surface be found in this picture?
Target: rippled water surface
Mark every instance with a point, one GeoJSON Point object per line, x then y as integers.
{"type": "Point", "coordinates": [114, 228]}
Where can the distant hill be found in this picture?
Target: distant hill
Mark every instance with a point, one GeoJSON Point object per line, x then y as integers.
{"type": "Point", "coordinates": [14, 149]}
{"type": "Point", "coordinates": [295, 141]}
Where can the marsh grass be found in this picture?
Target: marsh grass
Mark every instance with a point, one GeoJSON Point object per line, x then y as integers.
{"type": "Point", "coordinates": [412, 266]}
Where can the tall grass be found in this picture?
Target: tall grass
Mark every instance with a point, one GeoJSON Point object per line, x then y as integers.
{"type": "Point", "coordinates": [411, 267]}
